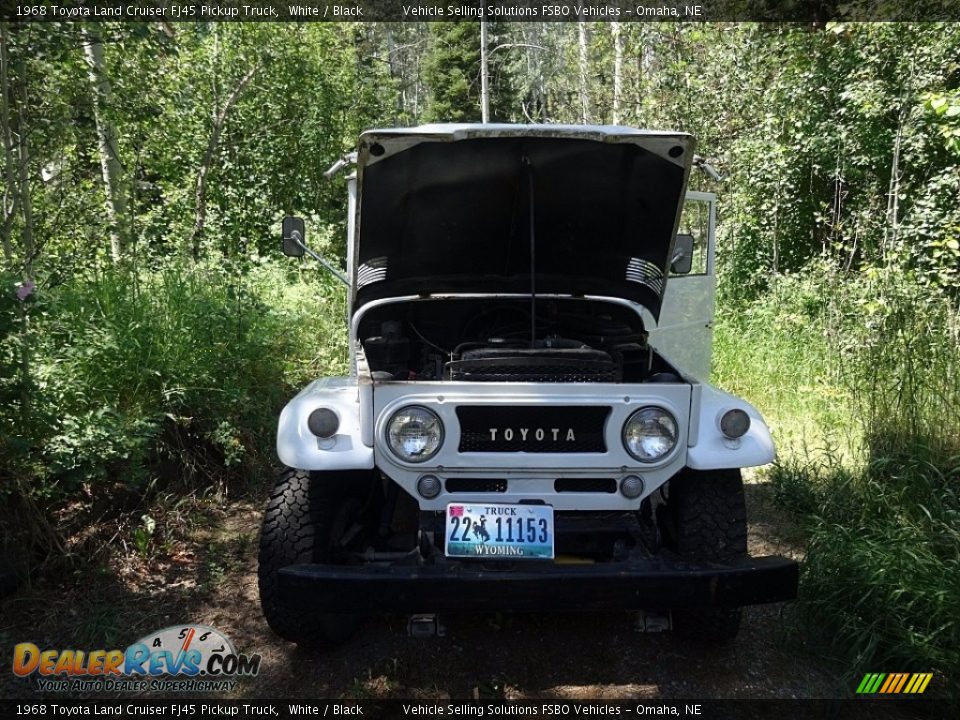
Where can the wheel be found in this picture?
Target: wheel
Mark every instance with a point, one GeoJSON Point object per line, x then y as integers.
{"type": "Point", "coordinates": [312, 518]}
{"type": "Point", "coordinates": [707, 520]}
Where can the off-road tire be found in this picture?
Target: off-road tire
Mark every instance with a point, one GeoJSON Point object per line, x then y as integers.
{"type": "Point", "coordinates": [708, 519]}
{"type": "Point", "coordinates": [305, 517]}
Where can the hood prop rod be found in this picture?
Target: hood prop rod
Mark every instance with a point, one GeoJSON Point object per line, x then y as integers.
{"type": "Point", "coordinates": [528, 168]}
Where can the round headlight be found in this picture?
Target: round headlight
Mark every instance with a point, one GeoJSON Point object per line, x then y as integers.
{"type": "Point", "coordinates": [649, 434]}
{"type": "Point", "coordinates": [414, 434]}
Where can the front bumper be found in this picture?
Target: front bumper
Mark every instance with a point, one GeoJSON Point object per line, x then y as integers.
{"type": "Point", "coordinates": [636, 584]}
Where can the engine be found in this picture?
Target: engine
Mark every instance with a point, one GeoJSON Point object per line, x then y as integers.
{"type": "Point", "coordinates": [553, 341]}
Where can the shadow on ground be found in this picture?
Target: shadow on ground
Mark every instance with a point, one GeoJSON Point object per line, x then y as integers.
{"type": "Point", "coordinates": [211, 579]}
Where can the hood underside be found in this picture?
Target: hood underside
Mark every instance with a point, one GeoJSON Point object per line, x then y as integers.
{"type": "Point", "coordinates": [506, 208]}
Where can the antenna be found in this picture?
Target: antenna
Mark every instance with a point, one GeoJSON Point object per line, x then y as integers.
{"type": "Point", "coordinates": [528, 167]}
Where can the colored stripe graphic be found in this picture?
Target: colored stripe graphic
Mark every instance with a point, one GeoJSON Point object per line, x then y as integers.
{"type": "Point", "coordinates": [903, 680]}
{"type": "Point", "coordinates": [894, 683]}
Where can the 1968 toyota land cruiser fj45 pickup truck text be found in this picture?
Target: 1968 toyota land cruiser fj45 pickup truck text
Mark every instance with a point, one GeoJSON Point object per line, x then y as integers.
{"type": "Point", "coordinates": [527, 424]}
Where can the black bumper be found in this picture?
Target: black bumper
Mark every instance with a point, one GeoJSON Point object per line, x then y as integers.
{"type": "Point", "coordinates": [643, 584]}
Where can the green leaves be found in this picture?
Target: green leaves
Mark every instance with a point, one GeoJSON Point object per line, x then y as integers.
{"type": "Point", "coordinates": [944, 109]}
{"type": "Point", "coordinates": [164, 373]}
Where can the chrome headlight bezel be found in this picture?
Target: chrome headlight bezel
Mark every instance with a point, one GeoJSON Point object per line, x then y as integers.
{"type": "Point", "coordinates": [391, 433]}
{"type": "Point", "coordinates": [652, 416]}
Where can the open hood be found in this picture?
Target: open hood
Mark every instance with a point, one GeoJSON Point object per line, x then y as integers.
{"type": "Point", "coordinates": [577, 210]}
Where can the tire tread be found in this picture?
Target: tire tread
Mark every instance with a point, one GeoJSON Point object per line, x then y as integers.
{"type": "Point", "coordinates": [709, 516]}
{"type": "Point", "coordinates": [296, 523]}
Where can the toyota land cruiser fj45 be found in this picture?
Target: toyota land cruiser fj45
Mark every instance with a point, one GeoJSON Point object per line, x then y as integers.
{"type": "Point", "coordinates": [527, 424]}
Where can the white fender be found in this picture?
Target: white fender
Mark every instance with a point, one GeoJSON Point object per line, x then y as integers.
{"type": "Point", "coordinates": [298, 448]}
{"type": "Point", "coordinates": [711, 450]}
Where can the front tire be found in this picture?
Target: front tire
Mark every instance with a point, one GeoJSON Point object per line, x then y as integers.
{"type": "Point", "coordinates": [708, 522]}
{"type": "Point", "coordinates": [308, 517]}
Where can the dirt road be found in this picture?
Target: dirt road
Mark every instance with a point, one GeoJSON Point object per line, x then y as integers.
{"type": "Point", "coordinates": [210, 578]}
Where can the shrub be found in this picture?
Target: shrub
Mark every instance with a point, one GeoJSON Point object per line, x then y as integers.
{"type": "Point", "coordinates": [859, 374]}
{"type": "Point", "coordinates": [171, 377]}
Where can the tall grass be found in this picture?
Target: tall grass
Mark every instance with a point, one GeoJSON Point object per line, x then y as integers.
{"type": "Point", "coordinates": [860, 375]}
{"type": "Point", "coordinates": [776, 353]}
{"type": "Point", "coordinates": [166, 378]}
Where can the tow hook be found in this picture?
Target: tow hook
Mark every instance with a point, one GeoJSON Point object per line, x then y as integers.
{"type": "Point", "coordinates": [651, 622]}
{"type": "Point", "coordinates": [424, 625]}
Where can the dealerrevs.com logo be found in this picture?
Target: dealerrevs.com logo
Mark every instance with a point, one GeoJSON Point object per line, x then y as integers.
{"type": "Point", "coordinates": [191, 658]}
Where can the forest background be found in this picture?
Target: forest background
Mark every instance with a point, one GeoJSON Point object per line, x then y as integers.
{"type": "Point", "coordinates": [150, 330]}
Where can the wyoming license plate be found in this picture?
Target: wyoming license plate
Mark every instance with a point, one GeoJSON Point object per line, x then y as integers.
{"type": "Point", "coordinates": [499, 531]}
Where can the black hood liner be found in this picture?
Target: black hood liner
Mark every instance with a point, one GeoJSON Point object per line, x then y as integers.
{"type": "Point", "coordinates": [454, 217]}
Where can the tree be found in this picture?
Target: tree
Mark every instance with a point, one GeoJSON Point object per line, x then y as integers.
{"type": "Point", "coordinates": [111, 166]}
{"type": "Point", "coordinates": [617, 33]}
{"type": "Point", "coordinates": [452, 72]}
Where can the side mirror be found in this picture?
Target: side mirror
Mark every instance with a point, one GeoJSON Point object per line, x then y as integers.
{"type": "Point", "coordinates": [682, 261]}
{"type": "Point", "coordinates": [294, 237]}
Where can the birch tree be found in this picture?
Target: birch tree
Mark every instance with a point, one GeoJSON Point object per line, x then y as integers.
{"type": "Point", "coordinates": [11, 194]}
{"type": "Point", "coordinates": [200, 187]}
{"type": "Point", "coordinates": [110, 164]}
{"type": "Point", "coordinates": [484, 74]}
{"type": "Point", "coordinates": [617, 32]}
{"type": "Point", "coordinates": [583, 59]}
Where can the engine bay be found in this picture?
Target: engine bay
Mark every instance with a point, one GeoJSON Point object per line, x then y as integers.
{"type": "Point", "coordinates": [510, 340]}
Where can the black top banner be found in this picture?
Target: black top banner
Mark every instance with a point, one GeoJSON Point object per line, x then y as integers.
{"type": "Point", "coordinates": [811, 11]}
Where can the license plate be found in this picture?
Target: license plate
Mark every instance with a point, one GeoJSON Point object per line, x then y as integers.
{"type": "Point", "coordinates": [490, 530]}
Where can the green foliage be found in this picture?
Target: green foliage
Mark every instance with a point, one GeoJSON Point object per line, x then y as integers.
{"type": "Point", "coordinates": [844, 161]}
{"type": "Point", "coordinates": [883, 553]}
{"type": "Point", "coordinates": [143, 535]}
{"type": "Point", "coordinates": [776, 353]}
{"type": "Point", "coordinates": [452, 72]}
{"type": "Point", "coordinates": [171, 377]}
{"type": "Point", "coordinates": [839, 257]}
{"type": "Point", "coordinates": [858, 375]}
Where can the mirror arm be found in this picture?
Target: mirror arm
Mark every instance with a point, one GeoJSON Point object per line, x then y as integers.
{"type": "Point", "coordinates": [297, 238]}
{"type": "Point", "coordinates": [349, 159]}
{"type": "Point", "coordinates": [701, 163]}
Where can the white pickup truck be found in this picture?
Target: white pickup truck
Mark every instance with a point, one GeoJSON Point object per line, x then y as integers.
{"type": "Point", "coordinates": [527, 424]}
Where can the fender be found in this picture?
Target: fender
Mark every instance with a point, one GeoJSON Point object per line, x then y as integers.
{"type": "Point", "coordinates": [298, 448]}
{"type": "Point", "coordinates": [710, 449]}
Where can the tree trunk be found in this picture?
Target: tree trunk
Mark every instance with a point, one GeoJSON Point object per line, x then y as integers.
{"type": "Point", "coordinates": [395, 75]}
{"type": "Point", "coordinates": [200, 194]}
{"type": "Point", "coordinates": [484, 74]}
{"type": "Point", "coordinates": [891, 231]}
{"type": "Point", "coordinates": [110, 165]}
{"type": "Point", "coordinates": [29, 246]}
{"type": "Point", "coordinates": [542, 97]}
{"type": "Point", "coordinates": [617, 31]}
{"type": "Point", "coordinates": [584, 90]}
{"type": "Point", "coordinates": [11, 195]}
{"type": "Point", "coordinates": [23, 165]}
{"type": "Point", "coordinates": [645, 71]}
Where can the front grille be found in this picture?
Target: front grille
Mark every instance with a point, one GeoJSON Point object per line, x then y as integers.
{"type": "Point", "coordinates": [540, 365]}
{"type": "Point", "coordinates": [475, 485]}
{"type": "Point", "coordinates": [585, 485]}
{"type": "Point", "coordinates": [533, 429]}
